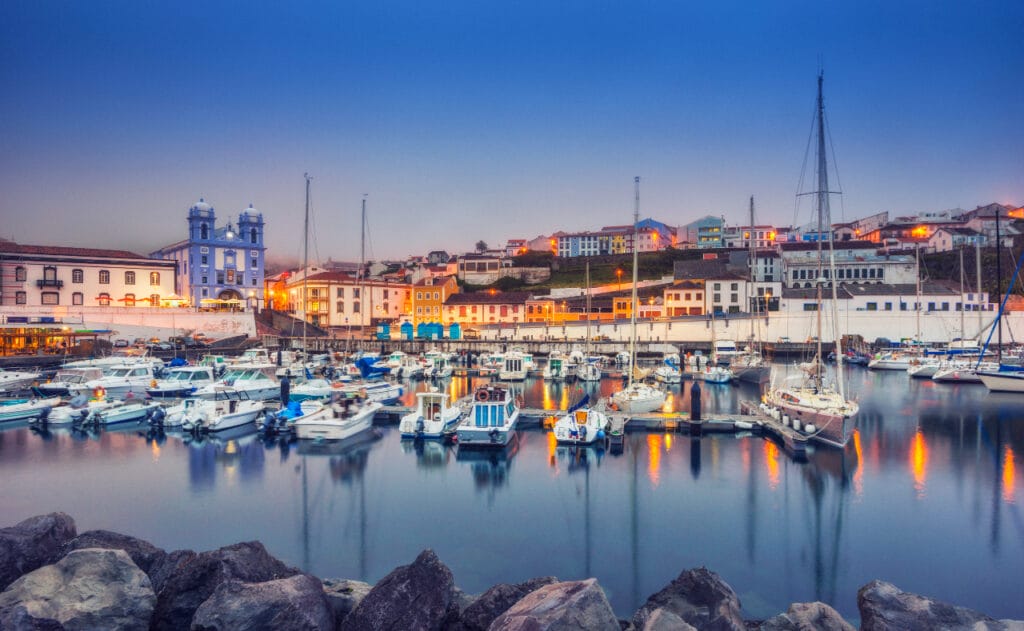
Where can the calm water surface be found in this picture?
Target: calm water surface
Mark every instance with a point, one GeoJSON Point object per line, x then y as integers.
{"type": "Point", "coordinates": [927, 496]}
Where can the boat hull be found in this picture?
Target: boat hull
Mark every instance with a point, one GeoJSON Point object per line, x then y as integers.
{"type": "Point", "coordinates": [831, 428]}
{"type": "Point", "coordinates": [323, 425]}
{"type": "Point", "coordinates": [1002, 381]}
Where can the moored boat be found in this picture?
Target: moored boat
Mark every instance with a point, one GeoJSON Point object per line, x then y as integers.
{"type": "Point", "coordinates": [492, 417]}
{"type": "Point", "coordinates": [340, 420]}
{"type": "Point", "coordinates": [433, 416]}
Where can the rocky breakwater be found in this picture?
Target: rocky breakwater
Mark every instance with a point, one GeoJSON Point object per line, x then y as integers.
{"type": "Point", "coordinates": [53, 578]}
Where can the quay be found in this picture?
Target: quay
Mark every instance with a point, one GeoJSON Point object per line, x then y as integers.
{"type": "Point", "coordinates": [749, 420]}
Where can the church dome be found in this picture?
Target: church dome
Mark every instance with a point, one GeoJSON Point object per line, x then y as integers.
{"type": "Point", "coordinates": [201, 205]}
{"type": "Point", "coordinates": [250, 211]}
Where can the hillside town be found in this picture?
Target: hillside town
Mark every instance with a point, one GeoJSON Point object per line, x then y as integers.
{"type": "Point", "coordinates": [215, 282]}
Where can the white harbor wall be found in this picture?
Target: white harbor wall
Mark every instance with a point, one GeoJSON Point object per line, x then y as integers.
{"type": "Point", "coordinates": [936, 328]}
{"type": "Point", "coordinates": [145, 322]}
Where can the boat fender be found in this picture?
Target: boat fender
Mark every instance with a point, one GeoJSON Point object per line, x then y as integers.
{"type": "Point", "coordinates": [810, 428]}
{"type": "Point", "coordinates": [796, 424]}
{"type": "Point", "coordinates": [600, 434]}
{"type": "Point", "coordinates": [785, 420]}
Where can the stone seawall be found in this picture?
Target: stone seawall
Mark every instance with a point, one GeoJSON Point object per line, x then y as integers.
{"type": "Point", "coordinates": [52, 577]}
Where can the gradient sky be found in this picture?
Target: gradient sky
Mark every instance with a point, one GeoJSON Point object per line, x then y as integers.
{"type": "Point", "coordinates": [487, 120]}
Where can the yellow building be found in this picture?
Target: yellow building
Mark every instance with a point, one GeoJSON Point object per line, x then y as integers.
{"type": "Point", "coordinates": [428, 299]}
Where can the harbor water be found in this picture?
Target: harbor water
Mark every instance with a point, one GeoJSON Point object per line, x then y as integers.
{"type": "Point", "coordinates": [927, 496]}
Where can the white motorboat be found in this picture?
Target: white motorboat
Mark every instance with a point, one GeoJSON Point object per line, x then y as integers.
{"type": "Point", "coordinates": [61, 383]}
{"type": "Point", "coordinates": [669, 371]}
{"type": "Point", "coordinates": [78, 409]}
{"type": "Point", "coordinates": [22, 409]}
{"type": "Point", "coordinates": [716, 374]}
{"type": "Point", "coordinates": [314, 389]}
{"type": "Point", "coordinates": [581, 425]}
{"type": "Point", "coordinates": [439, 366]}
{"type": "Point", "coordinates": [124, 357]}
{"type": "Point", "coordinates": [382, 392]}
{"type": "Point", "coordinates": [963, 371]}
{"type": "Point", "coordinates": [924, 367]}
{"type": "Point", "coordinates": [216, 415]}
{"type": "Point", "coordinates": [724, 351]}
{"type": "Point", "coordinates": [433, 416]}
{"type": "Point", "coordinates": [513, 367]}
{"type": "Point", "coordinates": [181, 382]}
{"type": "Point", "coordinates": [119, 381]}
{"type": "Point", "coordinates": [335, 421]}
{"type": "Point", "coordinates": [254, 382]}
{"type": "Point", "coordinates": [556, 368]}
{"type": "Point", "coordinates": [409, 368]}
{"type": "Point", "coordinates": [14, 380]}
{"type": "Point", "coordinates": [492, 417]}
{"type": "Point", "coordinates": [589, 371]}
{"type": "Point", "coordinates": [891, 360]}
{"type": "Point", "coordinates": [127, 411]}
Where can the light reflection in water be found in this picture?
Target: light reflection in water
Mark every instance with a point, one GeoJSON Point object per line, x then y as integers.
{"type": "Point", "coordinates": [1009, 476]}
{"type": "Point", "coordinates": [771, 461]}
{"type": "Point", "coordinates": [858, 475]}
{"type": "Point", "coordinates": [670, 403]}
{"type": "Point", "coordinates": [919, 463]}
{"type": "Point", "coordinates": [155, 448]}
{"type": "Point", "coordinates": [654, 458]}
{"type": "Point", "coordinates": [552, 448]}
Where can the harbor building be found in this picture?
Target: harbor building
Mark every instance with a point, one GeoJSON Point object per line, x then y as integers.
{"type": "Point", "coordinates": [338, 300]}
{"type": "Point", "coordinates": [220, 266]}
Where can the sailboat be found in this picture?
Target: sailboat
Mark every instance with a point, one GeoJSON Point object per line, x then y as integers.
{"type": "Point", "coordinates": [588, 370]}
{"type": "Point", "coordinates": [822, 409]}
{"type": "Point", "coordinates": [958, 368]}
{"type": "Point", "coordinates": [1008, 377]}
{"type": "Point", "coordinates": [750, 366]}
{"type": "Point", "coordinates": [637, 397]}
{"type": "Point", "coordinates": [715, 371]}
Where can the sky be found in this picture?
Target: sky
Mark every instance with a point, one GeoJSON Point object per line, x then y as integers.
{"type": "Point", "coordinates": [467, 121]}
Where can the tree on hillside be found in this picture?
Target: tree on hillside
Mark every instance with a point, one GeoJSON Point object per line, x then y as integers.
{"type": "Point", "coordinates": [481, 245]}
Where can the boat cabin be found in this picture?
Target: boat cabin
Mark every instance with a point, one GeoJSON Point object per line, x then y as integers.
{"type": "Point", "coordinates": [492, 406]}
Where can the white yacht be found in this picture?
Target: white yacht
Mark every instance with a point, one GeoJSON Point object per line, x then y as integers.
{"type": "Point", "coordinates": [13, 380]}
{"type": "Point", "coordinates": [119, 381]}
{"type": "Point", "coordinates": [924, 367]}
{"type": "Point", "coordinates": [61, 383]}
{"type": "Point", "coordinates": [181, 382]}
{"type": "Point", "coordinates": [492, 417]}
{"type": "Point", "coordinates": [513, 367]}
{"type": "Point", "coordinates": [963, 371]}
{"type": "Point", "coordinates": [207, 415]}
{"type": "Point", "coordinates": [439, 366]}
{"type": "Point", "coordinates": [557, 367]}
{"type": "Point", "coordinates": [724, 351]}
{"type": "Point", "coordinates": [433, 417]}
{"type": "Point", "coordinates": [716, 374]}
{"type": "Point", "coordinates": [581, 425]}
{"type": "Point", "coordinates": [254, 382]}
{"type": "Point", "coordinates": [891, 360]}
{"type": "Point", "coordinates": [335, 421]}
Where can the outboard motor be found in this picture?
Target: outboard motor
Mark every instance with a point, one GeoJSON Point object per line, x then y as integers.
{"type": "Point", "coordinates": [156, 416]}
{"type": "Point", "coordinates": [44, 415]}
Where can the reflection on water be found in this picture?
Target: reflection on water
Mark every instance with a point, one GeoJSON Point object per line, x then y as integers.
{"type": "Point", "coordinates": [925, 494]}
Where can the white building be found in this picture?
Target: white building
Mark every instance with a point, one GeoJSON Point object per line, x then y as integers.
{"type": "Point", "coordinates": [339, 300]}
{"type": "Point", "coordinates": [50, 276]}
{"type": "Point", "coordinates": [856, 262]}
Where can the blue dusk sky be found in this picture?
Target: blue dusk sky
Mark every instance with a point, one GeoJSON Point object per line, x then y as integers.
{"type": "Point", "coordinates": [492, 120]}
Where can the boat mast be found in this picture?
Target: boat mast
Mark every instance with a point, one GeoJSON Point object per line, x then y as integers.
{"type": "Point", "coordinates": [963, 333]}
{"type": "Point", "coordinates": [586, 343]}
{"type": "Point", "coordinates": [305, 269]}
{"type": "Point", "coordinates": [362, 264]}
{"type": "Point", "coordinates": [917, 292]}
{"type": "Point", "coordinates": [999, 290]}
{"type": "Point", "coordinates": [825, 221]}
{"type": "Point", "coordinates": [636, 258]}
{"type": "Point", "coordinates": [750, 283]}
{"type": "Point", "coordinates": [977, 276]}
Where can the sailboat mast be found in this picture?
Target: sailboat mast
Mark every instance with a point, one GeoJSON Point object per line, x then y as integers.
{"type": "Point", "coordinates": [362, 263]}
{"type": "Point", "coordinates": [917, 295]}
{"type": "Point", "coordinates": [636, 258]}
{"type": "Point", "coordinates": [999, 289]}
{"type": "Point", "coordinates": [977, 276]}
{"type": "Point", "coordinates": [305, 266]}
{"type": "Point", "coordinates": [586, 343]}
{"type": "Point", "coordinates": [825, 218]}
{"type": "Point", "coordinates": [822, 212]}
{"type": "Point", "coordinates": [750, 266]}
{"type": "Point", "coordinates": [963, 333]}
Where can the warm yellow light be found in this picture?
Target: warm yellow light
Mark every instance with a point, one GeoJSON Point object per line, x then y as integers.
{"type": "Point", "coordinates": [771, 460]}
{"type": "Point", "coordinates": [919, 463]}
{"type": "Point", "coordinates": [1009, 476]}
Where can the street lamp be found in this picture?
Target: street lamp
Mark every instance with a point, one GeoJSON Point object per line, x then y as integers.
{"type": "Point", "coordinates": [618, 272]}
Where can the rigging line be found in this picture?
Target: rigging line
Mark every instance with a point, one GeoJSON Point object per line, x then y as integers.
{"type": "Point", "coordinates": [803, 170]}
{"type": "Point", "coordinates": [312, 229]}
{"type": "Point", "coordinates": [835, 169]}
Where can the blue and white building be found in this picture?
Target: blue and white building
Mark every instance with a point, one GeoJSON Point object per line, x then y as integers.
{"type": "Point", "coordinates": [219, 264]}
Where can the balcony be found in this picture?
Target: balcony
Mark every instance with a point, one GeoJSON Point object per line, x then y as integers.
{"type": "Point", "coordinates": [49, 282]}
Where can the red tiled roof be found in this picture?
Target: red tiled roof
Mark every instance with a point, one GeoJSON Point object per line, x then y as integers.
{"type": "Point", "coordinates": [56, 250]}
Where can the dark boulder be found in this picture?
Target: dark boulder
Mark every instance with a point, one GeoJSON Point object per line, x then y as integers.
{"type": "Point", "coordinates": [344, 595]}
{"type": "Point", "coordinates": [701, 598]}
{"type": "Point", "coordinates": [415, 597]}
{"type": "Point", "coordinates": [143, 553]}
{"type": "Point", "coordinates": [296, 603]}
{"type": "Point", "coordinates": [884, 607]}
{"type": "Point", "coordinates": [560, 607]}
{"type": "Point", "coordinates": [816, 616]}
{"type": "Point", "coordinates": [195, 578]}
{"type": "Point", "coordinates": [19, 618]}
{"type": "Point", "coordinates": [665, 620]}
{"type": "Point", "coordinates": [92, 588]}
{"type": "Point", "coordinates": [161, 570]}
{"type": "Point", "coordinates": [479, 615]}
{"type": "Point", "coordinates": [33, 543]}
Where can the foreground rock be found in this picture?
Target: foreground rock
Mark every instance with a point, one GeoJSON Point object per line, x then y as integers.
{"type": "Point", "coordinates": [343, 596]}
{"type": "Point", "coordinates": [156, 563]}
{"type": "Point", "coordinates": [415, 597]}
{"type": "Point", "coordinates": [87, 589]}
{"type": "Point", "coordinates": [296, 603]}
{"type": "Point", "coordinates": [700, 598]}
{"type": "Point", "coordinates": [560, 606]}
{"type": "Point", "coordinates": [884, 607]}
{"type": "Point", "coordinates": [479, 615]}
{"type": "Point", "coordinates": [195, 579]}
{"type": "Point", "coordinates": [33, 543]}
{"type": "Point", "coordinates": [816, 616]}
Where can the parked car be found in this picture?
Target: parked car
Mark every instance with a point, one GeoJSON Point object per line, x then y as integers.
{"type": "Point", "coordinates": [121, 343]}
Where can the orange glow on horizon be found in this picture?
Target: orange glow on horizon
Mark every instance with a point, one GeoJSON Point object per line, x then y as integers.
{"type": "Point", "coordinates": [1009, 476]}
{"type": "Point", "coordinates": [771, 461]}
{"type": "Point", "coordinates": [919, 463]}
{"type": "Point", "coordinates": [654, 458]}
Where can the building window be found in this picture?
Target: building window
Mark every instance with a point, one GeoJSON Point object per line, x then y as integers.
{"type": "Point", "coordinates": [105, 278]}
{"type": "Point", "coordinates": [734, 298]}
{"type": "Point", "coordinates": [888, 306]}
{"type": "Point", "coordinates": [872, 306]}
{"type": "Point", "coordinates": [50, 298]}
{"type": "Point", "coordinates": [419, 310]}
{"type": "Point", "coordinates": [945, 306]}
{"type": "Point", "coordinates": [204, 250]}
{"type": "Point", "coordinates": [129, 300]}
{"type": "Point", "coordinates": [717, 298]}
{"type": "Point", "coordinates": [355, 293]}
{"type": "Point", "coordinates": [716, 287]}
{"type": "Point", "coordinates": [203, 260]}
{"type": "Point", "coordinates": [735, 287]}
{"type": "Point", "coordinates": [77, 276]}
{"type": "Point", "coordinates": [340, 306]}
{"type": "Point", "coordinates": [20, 297]}
{"type": "Point", "coordinates": [204, 280]}
{"type": "Point", "coordinates": [154, 279]}
{"type": "Point", "coordinates": [220, 278]}
{"type": "Point", "coordinates": [341, 292]}
{"type": "Point", "coordinates": [810, 306]}
{"type": "Point", "coordinates": [437, 296]}
{"type": "Point", "coordinates": [50, 274]}
{"type": "Point", "coordinates": [419, 295]}
{"type": "Point", "coordinates": [931, 306]}
{"type": "Point", "coordinates": [206, 292]}
{"type": "Point", "coordinates": [129, 278]}
{"type": "Point", "coordinates": [20, 274]}
{"type": "Point", "coordinates": [204, 231]}
{"type": "Point", "coordinates": [355, 307]}
{"type": "Point", "coordinates": [77, 298]}
{"type": "Point", "coordinates": [104, 299]}
{"type": "Point", "coordinates": [252, 236]}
